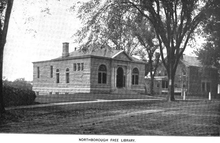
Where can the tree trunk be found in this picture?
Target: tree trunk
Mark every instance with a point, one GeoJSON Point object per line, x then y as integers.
{"type": "Point", "coordinates": [2, 107]}
{"type": "Point", "coordinates": [171, 79]}
{"type": "Point", "coordinates": [3, 35]}
{"type": "Point", "coordinates": [151, 75]}
{"type": "Point", "coordinates": [152, 85]}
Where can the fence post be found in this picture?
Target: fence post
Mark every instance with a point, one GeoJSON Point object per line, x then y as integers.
{"type": "Point", "coordinates": [210, 97]}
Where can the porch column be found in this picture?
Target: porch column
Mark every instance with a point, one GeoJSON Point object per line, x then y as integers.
{"type": "Point", "coordinates": [113, 77]}
{"type": "Point", "coordinates": [128, 76]}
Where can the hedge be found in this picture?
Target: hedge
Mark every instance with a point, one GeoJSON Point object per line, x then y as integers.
{"type": "Point", "coordinates": [15, 96]}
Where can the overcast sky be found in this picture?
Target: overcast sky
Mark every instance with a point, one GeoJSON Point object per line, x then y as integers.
{"type": "Point", "coordinates": [35, 36]}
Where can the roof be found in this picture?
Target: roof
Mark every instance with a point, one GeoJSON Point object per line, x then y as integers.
{"type": "Point", "coordinates": [97, 52]}
{"type": "Point", "coordinates": [104, 52]}
{"type": "Point", "coordinates": [192, 61]}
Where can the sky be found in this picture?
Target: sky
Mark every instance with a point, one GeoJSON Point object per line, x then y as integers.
{"type": "Point", "coordinates": [34, 35]}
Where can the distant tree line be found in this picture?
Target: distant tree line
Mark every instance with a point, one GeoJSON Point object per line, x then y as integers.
{"type": "Point", "coordinates": [18, 92]}
{"type": "Point", "coordinates": [20, 83]}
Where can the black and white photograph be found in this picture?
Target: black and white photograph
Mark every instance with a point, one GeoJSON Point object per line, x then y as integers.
{"type": "Point", "coordinates": [125, 71]}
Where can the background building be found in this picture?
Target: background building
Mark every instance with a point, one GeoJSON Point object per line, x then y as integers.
{"type": "Point", "coordinates": [191, 76]}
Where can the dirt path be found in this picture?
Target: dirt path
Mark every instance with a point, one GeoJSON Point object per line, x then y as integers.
{"type": "Point", "coordinates": [79, 102]}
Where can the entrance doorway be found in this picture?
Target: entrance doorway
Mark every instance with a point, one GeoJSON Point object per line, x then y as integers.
{"type": "Point", "coordinates": [120, 78]}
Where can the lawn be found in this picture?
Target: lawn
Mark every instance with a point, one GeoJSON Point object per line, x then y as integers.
{"type": "Point", "coordinates": [91, 97]}
{"type": "Point", "coordinates": [88, 97]}
{"type": "Point", "coordinates": [148, 117]}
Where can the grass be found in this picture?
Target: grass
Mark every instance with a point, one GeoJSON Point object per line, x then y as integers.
{"type": "Point", "coordinates": [181, 118]}
{"type": "Point", "coordinates": [86, 97]}
{"type": "Point", "coordinates": [91, 97]}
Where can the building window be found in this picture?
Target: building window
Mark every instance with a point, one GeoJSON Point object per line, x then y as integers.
{"type": "Point", "coordinates": [67, 76]}
{"type": "Point", "coordinates": [74, 67]}
{"type": "Point", "coordinates": [159, 73]}
{"type": "Point", "coordinates": [165, 73]}
{"type": "Point", "coordinates": [57, 76]}
{"type": "Point", "coordinates": [82, 66]}
{"type": "Point", "coordinates": [102, 74]}
{"type": "Point", "coordinates": [183, 72]}
{"type": "Point", "coordinates": [51, 71]}
{"type": "Point", "coordinates": [78, 64]}
{"type": "Point", "coordinates": [158, 85]}
{"type": "Point", "coordinates": [203, 86]}
{"type": "Point", "coordinates": [38, 72]}
{"type": "Point", "coordinates": [206, 86]}
{"type": "Point", "coordinates": [164, 84]}
{"type": "Point", "coordinates": [135, 76]}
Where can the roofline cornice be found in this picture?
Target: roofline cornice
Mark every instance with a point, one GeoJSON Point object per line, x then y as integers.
{"type": "Point", "coordinates": [86, 56]}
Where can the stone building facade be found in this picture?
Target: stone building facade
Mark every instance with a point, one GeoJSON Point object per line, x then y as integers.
{"type": "Point", "coordinates": [191, 76]}
{"type": "Point", "coordinates": [96, 71]}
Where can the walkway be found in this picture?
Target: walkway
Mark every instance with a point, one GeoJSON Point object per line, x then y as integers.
{"type": "Point", "coordinates": [79, 102]}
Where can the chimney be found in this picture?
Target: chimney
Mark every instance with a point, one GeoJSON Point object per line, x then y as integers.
{"type": "Point", "coordinates": [65, 49]}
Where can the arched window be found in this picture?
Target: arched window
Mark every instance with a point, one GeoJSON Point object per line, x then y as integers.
{"type": "Point", "coordinates": [135, 76]}
{"type": "Point", "coordinates": [102, 74]}
{"type": "Point", "coordinates": [67, 76]}
{"type": "Point", "coordinates": [57, 76]}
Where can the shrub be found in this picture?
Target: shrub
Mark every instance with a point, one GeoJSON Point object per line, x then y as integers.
{"type": "Point", "coordinates": [18, 96]}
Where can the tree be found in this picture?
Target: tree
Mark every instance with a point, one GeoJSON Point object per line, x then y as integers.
{"type": "Point", "coordinates": [118, 26]}
{"type": "Point", "coordinates": [174, 22]}
{"type": "Point", "coordinates": [5, 12]}
{"type": "Point", "coordinates": [20, 83]}
{"type": "Point", "coordinates": [146, 37]}
{"type": "Point", "coordinates": [106, 24]}
{"type": "Point", "coordinates": [209, 54]}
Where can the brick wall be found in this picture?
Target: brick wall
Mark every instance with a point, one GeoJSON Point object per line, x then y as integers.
{"type": "Point", "coordinates": [85, 80]}
{"type": "Point", "coordinates": [79, 81]}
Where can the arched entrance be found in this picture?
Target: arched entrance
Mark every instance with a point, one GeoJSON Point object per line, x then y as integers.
{"type": "Point", "coordinates": [120, 78]}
